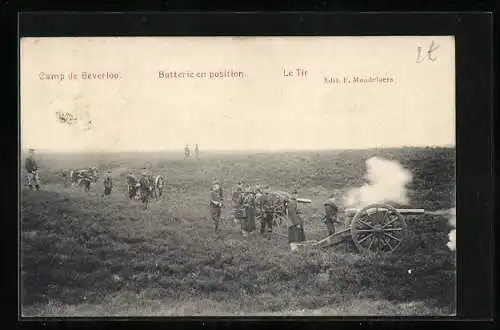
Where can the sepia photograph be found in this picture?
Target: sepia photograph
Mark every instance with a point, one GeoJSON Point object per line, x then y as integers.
{"type": "Point", "coordinates": [237, 176]}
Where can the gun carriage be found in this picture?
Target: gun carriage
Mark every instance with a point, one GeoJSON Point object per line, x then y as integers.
{"type": "Point", "coordinates": [375, 228]}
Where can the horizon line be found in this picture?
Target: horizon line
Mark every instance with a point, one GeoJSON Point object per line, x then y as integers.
{"type": "Point", "coordinates": [181, 150]}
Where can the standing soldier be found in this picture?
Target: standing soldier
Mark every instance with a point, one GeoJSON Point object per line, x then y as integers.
{"type": "Point", "coordinates": [267, 212]}
{"type": "Point", "coordinates": [186, 152]}
{"type": "Point", "coordinates": [237, 199]}
{"type": "Point", "coordinates": [296, 230]}
{"type": "Point", "coordinates": [216, 203]}
{"type": "Point", "coordinates": [108, 184]}
{"type": "Point", "coordinates": [132, 185]}
{"type": "Point", "coordinates": [258, 202]}
{"type": "Point", "coordinates": [144, 188]}
{"type": "Point", "coordinates": [248, 224]}
{"type": "Point", "coordinates": [197, 151]}
{"type": "Point", "coordinates": [85, 180]}
{"type": "Point", "coordinates": [32, 169]}
{"type": "Point", "coordinates": [331, 210]}
{"type": "Point", "coordinates": [66, 178]}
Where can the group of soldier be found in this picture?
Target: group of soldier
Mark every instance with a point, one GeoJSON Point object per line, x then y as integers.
{"type": "Point", "coordinates": [187, 151]}
{"type": "Point", "coordinates": [145, 187]}
{"type": "Point", "coordinates": [255, 204]}
{"type": "Point", "coordinates": [250, 204]}
{"type": "Point", "coordinates": [83, 177]}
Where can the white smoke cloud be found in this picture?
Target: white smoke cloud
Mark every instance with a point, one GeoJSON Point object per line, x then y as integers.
{"type": "Point", "coordinates": [452, 241]}
{"type": "Point", "coordinates": [387, 181]}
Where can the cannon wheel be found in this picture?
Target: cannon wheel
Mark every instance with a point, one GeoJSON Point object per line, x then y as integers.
{"type": "Point", "coordinates": [378, 228]}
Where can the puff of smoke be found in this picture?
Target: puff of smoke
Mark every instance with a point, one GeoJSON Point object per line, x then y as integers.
{"type": "Point", "coordinates": [452, 240]}
{"type": "Point", "coordinates": [386, 182]}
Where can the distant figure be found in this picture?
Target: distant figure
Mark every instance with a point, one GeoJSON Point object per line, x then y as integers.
{"type": "Point", "coordinates": [32, 169]}
{"type": "Point", "coordinates": [108, 184]}
{"type": "Point", "coordinates": [331, 210]}
{"type": "Point", "coordinates": [144, 188]}
{"type": "Point", "coordinates": [296, 229]}
{"type": "Point", "coordinates": [132, 185]}
{"type": "Point", "coordinates": [248, 224]}
{"type": "Point", "coordinates": [67, 178]}
{"type": "Point", "coordinates": [258, 202]}
{"type": "Point", "coordinates": [85, 179]}
{"type": "Point", "coordinates": [94, 174]}
{"type": "Point", "coordinates": [197, 151]}
{"type": "Point", "coordinates": [216, 203]}
{"type": "Point", "coordinates": [267, 212]}
{"type": "Point", "coordinates": [237, 199]}
{"type": "Point", "coordinates": [186, 152]}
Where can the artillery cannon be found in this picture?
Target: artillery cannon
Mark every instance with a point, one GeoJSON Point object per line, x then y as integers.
{"type": "Point", "coordinates": [375, 228]}
{"type": "Point", "coordinates": [156, 186]}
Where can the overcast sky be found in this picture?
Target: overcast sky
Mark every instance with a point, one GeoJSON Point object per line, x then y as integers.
{"type": "Point", "coordinates": [262, 111]}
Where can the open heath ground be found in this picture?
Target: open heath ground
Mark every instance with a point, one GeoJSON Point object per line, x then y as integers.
{"type": "Point", "coordinates": [85, 255]}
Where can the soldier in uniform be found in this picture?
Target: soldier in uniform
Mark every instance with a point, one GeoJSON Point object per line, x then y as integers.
{"type": "Point", "coordinates": [331, 210]}
{"type": "Point", "coordinates": [131, 184]}
{"type": "Point", "coordinates": [186, 152]}
{"type": "Point", "coordinates": [267, 212]}
{"type": "Point", "coordinates": [237, 199]}
{"type": "Point", "coordinates": [66, 178]}
{"type": "Point", "coordinates": [85, 180]}
{"type": "Point", "coordinates": [216, 203]}
{"type": "Point", "coordinates": [144, 188]}
{"type": "Point", "coordinates": [258, 202]}
{"type": "Point", "coordinates": [197, 151]}
{"type": "Point", "coordinates": [248, 224]}
{"type": "Point", "coordinates": [32, 169]}
{"type": "Point", "coordinates": [296, 229]}
{"type": "Point", "coordinates": [108, 184]}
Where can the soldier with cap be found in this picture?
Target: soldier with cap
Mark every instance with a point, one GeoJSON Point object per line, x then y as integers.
{"type": "Point", "coordinates": [144, 188]}
{"type": "Point", "coordinates": [32, 169]}
{"type": "Point", "coordinates": [331, 210]}
{"type": "Point", "coordinates": [85, 178]}
{"type": "Point", "coordinates": [132, 185]}
{"type": "Point", "coordinates": [248, 223]}
{"type": "Point", "coordinates": [216, 203]}
{"type": "Point", "coordinates": [237, 199]}
{"type": "Point", "coordinates": [267, 213]}
{"type": "Point", "coordinates": [258, 201]}
{"type": "Point", "coordinates": [66, 177]}
{"type": "Point", "coordinates": [108, 184]}
{"type": "Point", "coordinates": [296, 229]}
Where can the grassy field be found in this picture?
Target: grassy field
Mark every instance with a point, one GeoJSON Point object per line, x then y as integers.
{"type": "Point", "coordinates": [85, 255]}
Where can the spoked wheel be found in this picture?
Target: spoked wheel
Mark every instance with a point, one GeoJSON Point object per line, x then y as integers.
{"type": "Point", "coordinates": [378, 228]}
{"type": "Point", "coordinates": [280, 226]}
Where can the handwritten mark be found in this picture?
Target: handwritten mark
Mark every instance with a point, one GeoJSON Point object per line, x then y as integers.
{"type": "Point", "coordinates": [427, 55]}
{"type": "Point", "coordinates": [66, 117]}
{"type": "Point", "coordinates": [71, 119]}
{"type": "Point", "coordinates": [89, 125]}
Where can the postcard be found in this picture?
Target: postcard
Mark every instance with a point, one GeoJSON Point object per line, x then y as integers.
{"type": "Point", "coordinates": [237, 176]}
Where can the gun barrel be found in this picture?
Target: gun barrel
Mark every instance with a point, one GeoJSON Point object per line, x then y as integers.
{"type": "Point", "coordinates": [411, 211]}
{"type": "Point", "coordinates": [304, 200]}
{"type": "Point", "coordinates": [402, 211]}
